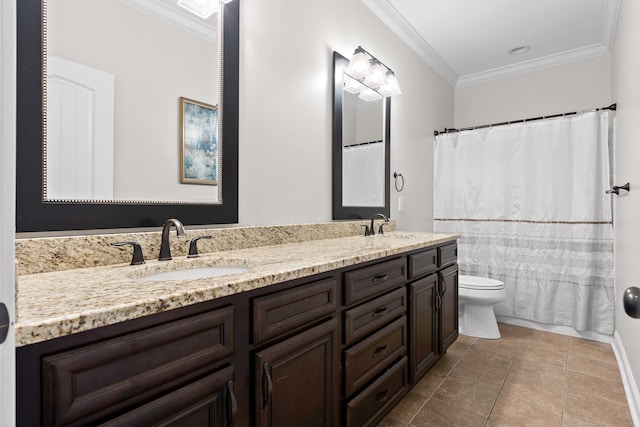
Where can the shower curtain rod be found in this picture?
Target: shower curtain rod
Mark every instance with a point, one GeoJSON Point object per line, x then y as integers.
{"type": "Point", "coordinates": [363, 143]}
{"type": "Point", "coordinates": [611, 107]}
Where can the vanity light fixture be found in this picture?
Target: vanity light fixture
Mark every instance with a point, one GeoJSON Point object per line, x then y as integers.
{"type": "Point", "coordinates": [369, 95]}
{"type": "Point", "coordinates": [375, 79]}
{"type": "Point", "coordinates": [359, 66]}
{"type": "Point", "coordinates": [391, 86]}
{"type": "Point", "coordinates": [201, 8]}
{"type": "Point", "coordinates": [352, 85]}
{"type": "Point", "coordinates": [368, 76]}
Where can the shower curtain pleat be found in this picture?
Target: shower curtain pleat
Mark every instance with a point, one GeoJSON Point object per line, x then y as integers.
{"type": "Point", "coordinates": [529, 200]}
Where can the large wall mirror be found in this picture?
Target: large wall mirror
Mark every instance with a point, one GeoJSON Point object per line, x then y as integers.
{"type": "Point", "coordinates": [361, 141]}
{"type": "Point", "coordinates": [127, 114]}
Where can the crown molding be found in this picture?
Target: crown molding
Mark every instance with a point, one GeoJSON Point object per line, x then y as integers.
{"type": "Point", "coordinates": [191, 24]}
{"type": "Point", "coordinates": [534, 64]}
{"type": "Point", "coordinates": [610, 21]}
{"type": "Point", "coordinates": [396, 22]}
{"type": "Point", "coordinates": [399, 25]}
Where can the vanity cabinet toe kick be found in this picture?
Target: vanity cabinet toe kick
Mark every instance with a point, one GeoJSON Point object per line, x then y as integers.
{"type": "Point", "coordinates": [338, 348]}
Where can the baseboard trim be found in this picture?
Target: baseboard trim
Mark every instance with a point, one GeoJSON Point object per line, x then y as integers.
{"type": "Point", "coordinates": [628, 381]}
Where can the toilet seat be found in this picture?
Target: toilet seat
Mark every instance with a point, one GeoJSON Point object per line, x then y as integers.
{"type": "Point", "coordinates": [479, 283]}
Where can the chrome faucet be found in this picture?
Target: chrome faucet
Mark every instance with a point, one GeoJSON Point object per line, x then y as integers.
{"type": "Point", "coordinates": [165, 249]}
{"type": "Point", "coordinates": [371, 231]}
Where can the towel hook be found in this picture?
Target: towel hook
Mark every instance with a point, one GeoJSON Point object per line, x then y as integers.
{"type": "Point", "coordinates": [397, 175]}
{"type": "Point", "coordinates": [616, 189]}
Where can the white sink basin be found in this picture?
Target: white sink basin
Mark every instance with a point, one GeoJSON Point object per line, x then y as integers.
{"type": "Point", "coordinates": [195, 273]}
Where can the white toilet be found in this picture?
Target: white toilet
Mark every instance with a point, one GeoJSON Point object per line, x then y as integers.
{"type": "Point", "coordinates": [476, 297]}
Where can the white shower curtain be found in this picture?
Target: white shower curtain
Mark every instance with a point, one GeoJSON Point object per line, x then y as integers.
{"type": "Point", "coordinates": [362, 179]}
{"type": "Point", "coordinates": [529, 200]}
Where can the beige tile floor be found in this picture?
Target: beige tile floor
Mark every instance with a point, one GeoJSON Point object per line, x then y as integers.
{"type": "Point", "coordinates": [526, 378]}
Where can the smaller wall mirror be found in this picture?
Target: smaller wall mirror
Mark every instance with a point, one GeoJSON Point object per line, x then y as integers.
{"type": "Point", "coordinates": [361, 141]}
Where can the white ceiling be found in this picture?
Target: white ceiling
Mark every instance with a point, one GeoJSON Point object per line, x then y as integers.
{"type": "Point", "coordinates": [170, 12]}
{"type": "Point", "coordinates": [468, 41]}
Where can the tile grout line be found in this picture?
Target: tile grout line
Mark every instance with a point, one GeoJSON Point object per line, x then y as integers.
{"type": "Point", "coordinates": [564, 385]}
{"type": "Point", "coordinates": [438, 386]}
{"type": "Point", "coordinates": [503, 381]}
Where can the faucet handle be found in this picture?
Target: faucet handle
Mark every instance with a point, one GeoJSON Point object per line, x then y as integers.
{"type": "Point", "coordinates": [367, 230]}
{"type": "Point", "coordinates": [381, 228]}
{"type": "Point", "coordinates": [193, 246]}
{"type": "Point", "coordinates": [137, 258]}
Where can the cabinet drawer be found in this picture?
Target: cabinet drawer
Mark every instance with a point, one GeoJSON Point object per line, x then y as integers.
{"type": "Point", "coordinates": [376, 279]}
{"type": "Point", "coordinates": [369, 317]}
{"type": "Point", "coordinates": [367, 407]}
{"type": "Point", "coordinates": [93, 381]}
{"type": "Point", "coordinates": [288, 310]}
{"type": "Point", "coordinates": [423, 263]}
{"type": "Point", "coordinates": [206, 402]}
{"type": "Point", "coordinates": [447, 254]}
{"type": "Point", "coordinates": [366, 359]}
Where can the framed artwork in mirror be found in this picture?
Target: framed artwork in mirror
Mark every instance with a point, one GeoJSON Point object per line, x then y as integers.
{"type": "Point", "coordinates": [155, 202]}
{"type": "Point", "coordinates": [198, 142]}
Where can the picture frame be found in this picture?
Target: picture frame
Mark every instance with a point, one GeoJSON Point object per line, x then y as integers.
{"type": "Point", "coordinates": [199, 149]}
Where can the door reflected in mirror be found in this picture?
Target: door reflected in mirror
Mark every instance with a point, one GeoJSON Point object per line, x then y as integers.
{"type": "Point", "coordinates": [363, 152]}
{"type": "Point", "coordinates": [115, 73]}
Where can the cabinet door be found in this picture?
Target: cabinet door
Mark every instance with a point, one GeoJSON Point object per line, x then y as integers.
{"type": "Point", "coordinates": [207, 402]}
{"type": "Point", "coordinates": [423, 324]}
{"type": "Point", "coordinates": [94, 382]}
{"type": "Point", "coordinates": [296, 380]}
{"type": "Point", "coordinates": [448, 316]}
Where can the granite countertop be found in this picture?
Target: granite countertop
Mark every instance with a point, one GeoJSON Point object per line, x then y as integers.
{"type": "Point", "coordinates": [59, 303]}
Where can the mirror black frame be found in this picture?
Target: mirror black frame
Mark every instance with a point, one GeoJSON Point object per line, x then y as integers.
{"type": "Point", "coordinates": [340, 63]}
{"type": "Point", "coordinates": [34, 214]}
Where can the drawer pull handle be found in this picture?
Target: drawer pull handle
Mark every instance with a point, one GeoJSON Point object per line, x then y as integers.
{"type": "Point", "coordinates": [380, 278]}
{"type": "Point", "coordinates": [379, 312]}
{"type": "Point", "coordinates": [380, 351]}
{"type": "Point", "coordinates": [232, 404]}
{"type": "Point", "coordinates": [267, 388]}
{"type": "Point", "coordinates": [381, 397]}
{"type": "Point", "coordinates": [438, 301]}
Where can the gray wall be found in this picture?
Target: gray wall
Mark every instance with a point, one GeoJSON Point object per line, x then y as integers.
{"type": "Point", "coordinates": [580, 85]}
{"type": "Point", "coordinates": [626, 89]}
{"type": "Point", "coordinates": [286, 71]}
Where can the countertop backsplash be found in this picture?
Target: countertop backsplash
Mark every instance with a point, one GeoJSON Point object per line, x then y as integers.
{"type": "Point", "coordinates": [48, 254]}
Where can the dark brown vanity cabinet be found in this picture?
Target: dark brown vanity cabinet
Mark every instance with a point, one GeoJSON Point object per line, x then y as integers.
{"type": "Point", "coordinates": [375, 338]}
{"type": "Point", "coordinates": [338, 348]}
{"type": "Point", "coordinates": [169, 370]}
{"type": "Point", "coordinates": [424, 310]}
{"type": "Point", "coordinates": [448, 315]}
{"type": "Point", "coordinates": [295, 380]}
{"type": "Point", "coordinates": [433, 307]}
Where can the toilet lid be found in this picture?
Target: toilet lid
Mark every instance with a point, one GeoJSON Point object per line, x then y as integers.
{"type": "Point", "coordinates": [476, 282]}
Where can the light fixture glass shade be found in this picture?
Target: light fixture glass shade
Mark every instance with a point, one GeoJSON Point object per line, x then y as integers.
{"type": "Point", "coordinates": [375, 78]}
{"type": "Point", "coordinates": [201, 8]}
{"type": "Point", "coordinates": [369, 95]}
{"type": "Point", "coordinates": [359, 66]}
{"type": "Point", "coordinates": [352, 85]}
{"type": "Point", "coordinates": [391, 86]}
